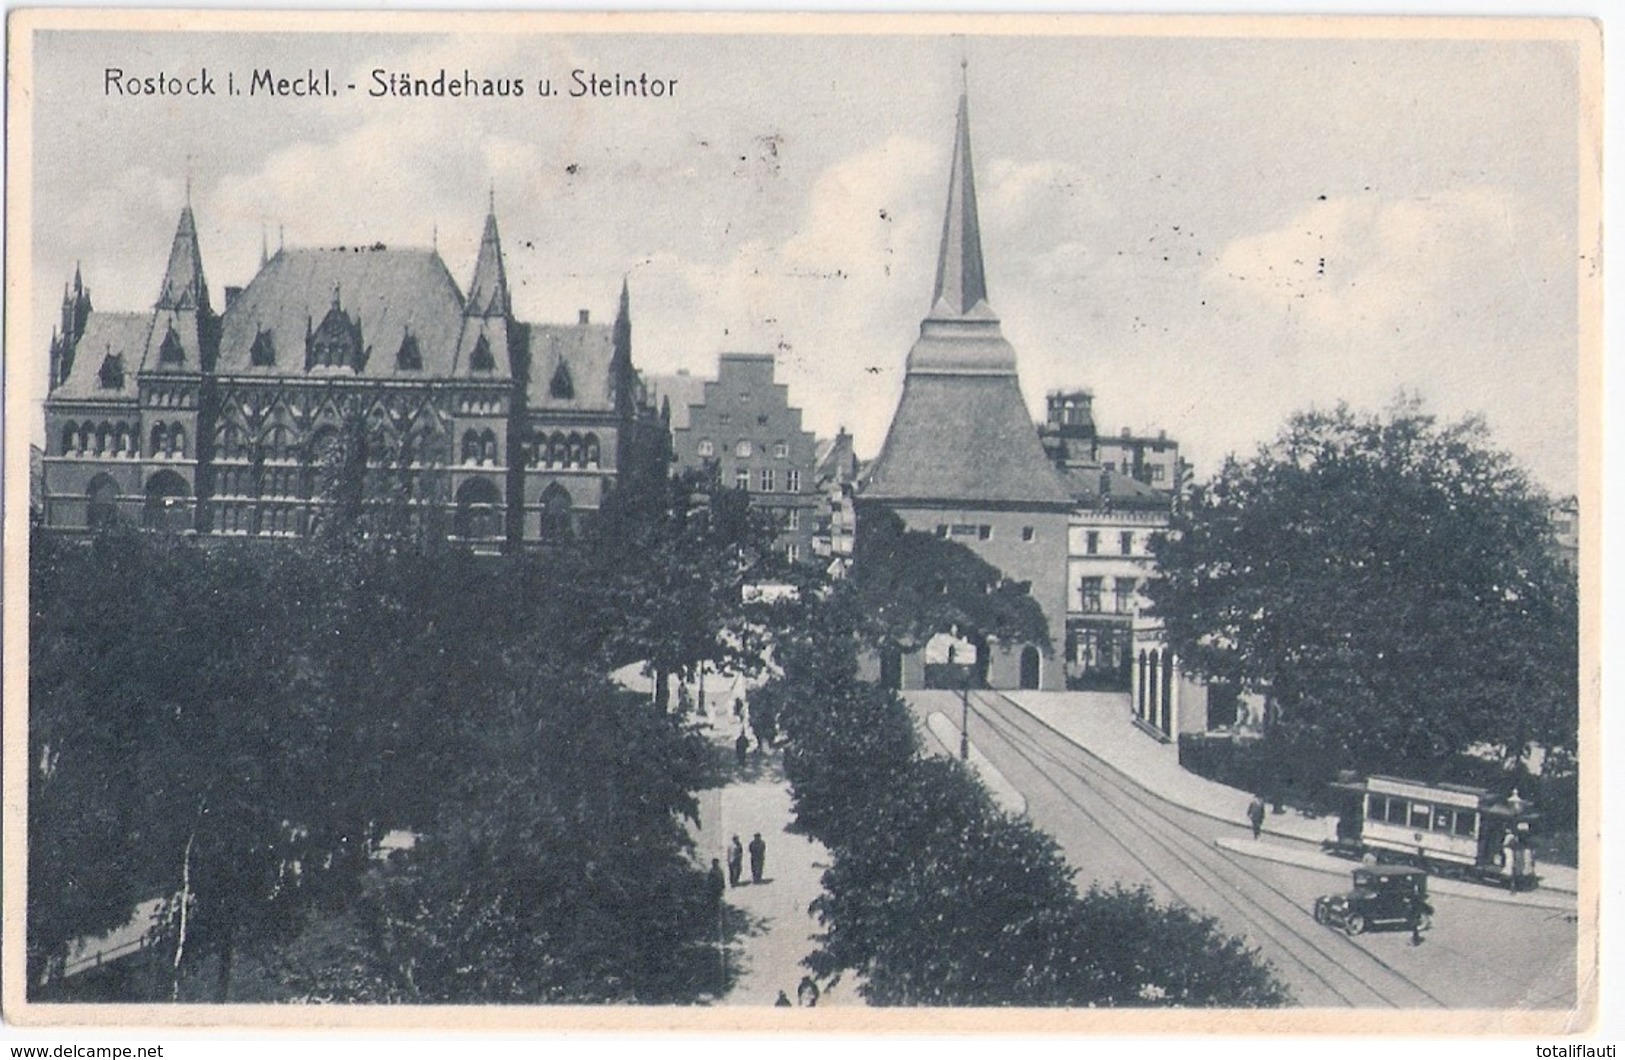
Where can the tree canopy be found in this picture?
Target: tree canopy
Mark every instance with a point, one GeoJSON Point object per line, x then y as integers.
{"type": "Point", "coordinates": [1389, 581]}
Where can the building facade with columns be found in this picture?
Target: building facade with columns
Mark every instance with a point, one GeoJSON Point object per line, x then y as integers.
{"type": "Point", "coordinates": [365, 365]}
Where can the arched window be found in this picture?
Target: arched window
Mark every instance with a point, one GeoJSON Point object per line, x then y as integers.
{"type": "Point", "coordinates": [102, 509]}
{"type": "Point", "coordinates": [165, 507]}
{"type": "Point", "coordinates": [104, 438]}
{"type": "Point", "coordinates": [590, 450]}
{"type": "Point", "coordinates": [478, 516]}
{"type": "Point", "coordinates": [558, 450]}
{"type": "Point", "coordinates": [70, 436]}
{"type": "Point", "coordinates": [562, 386]}
{"type": "Point", "coordinates": [160, 438]}
{"type": "Point", "coordinates": [126, 441]}
{"type": "Point", "coordinates": [471, 447]}
{"type": "Point", "coordinates": [177, 442]}
{"type": "Point", "coordinates": [488, 447]}
{"type": "Point", "coordinates": [556, 505]}
{"type": "Point", "coordinates": [263, 353]}
{"type": "Point", "coordinates": [575, 450]}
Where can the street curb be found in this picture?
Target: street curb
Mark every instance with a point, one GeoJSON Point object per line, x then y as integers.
{"type": "Point", "coordinates": [1439, 885]}
{"type": "Point", "coordinates": [1490, 896]}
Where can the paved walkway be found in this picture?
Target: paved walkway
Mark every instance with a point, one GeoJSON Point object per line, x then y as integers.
{"type": "Point", "coordinates": [1101, 723]}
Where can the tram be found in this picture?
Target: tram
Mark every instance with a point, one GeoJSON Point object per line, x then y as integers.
{"type": "Point", "coordinates": [1448, 829]}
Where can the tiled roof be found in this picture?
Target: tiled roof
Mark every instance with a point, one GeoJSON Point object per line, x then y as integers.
{"type": "Point", "coordinates": [963, 439]}
{"type": "Point", "coordinates": [681, 390]}
{"type": "Point", "coordinates": [585, 350]}
{"type": "Point", "coordinates": [1087, 484]}
{"type": "Point", "coordinates": [389, 291]}
{"type": "Point", "coordinates": [119, 334]}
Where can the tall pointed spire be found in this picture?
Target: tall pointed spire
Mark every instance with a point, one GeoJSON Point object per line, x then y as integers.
{"type": "Point", "coordinates": [622, 375]}
{"type": "Point", "coordinates": [184, 286]}
{"type": "Point", "coordinates": [488, 293]}
{"type": "Point", "coordinates": [961, 283]}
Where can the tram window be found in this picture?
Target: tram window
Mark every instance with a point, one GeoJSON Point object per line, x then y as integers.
{"type": "Point", "coordinates": [1466, 821]}
{"type": "Point", "coordinates": [1442, 818]}
{"type": "Point", "coordinates": [1421, 814]}
{"type": "Point", "coordinates": [1396, 811]}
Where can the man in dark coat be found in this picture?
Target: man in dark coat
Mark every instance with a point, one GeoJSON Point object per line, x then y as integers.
{"type": "Point", "coordinates": [758, 858]}
{"type": "Point", "coordinates": [716, 884]}
{"type": "Point", "coordinates": [741, 745]}
{"type": "Point", "coordinates": [736, 862]}
{"type": "Point", "coordinates": [1255, 814]}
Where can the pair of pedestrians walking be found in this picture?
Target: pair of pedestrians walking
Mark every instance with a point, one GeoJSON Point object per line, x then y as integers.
{"type": "Point", "coordinates": [736, 860]}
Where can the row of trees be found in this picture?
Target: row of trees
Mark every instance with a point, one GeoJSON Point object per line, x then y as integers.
{"type": "Point", "coordinates": [935, 896]}
{"type": "Point", "coordinates": [235, 728]}
{"type": "Point", "coordinates": [1390, 583]}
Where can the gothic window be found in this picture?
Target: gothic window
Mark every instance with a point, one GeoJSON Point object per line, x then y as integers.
{"type": "Point", "coordinates": [481, 360]}
{"type": "Point", "coordinates": [556, 504]}
{"type": "Point", "coordinates": [336, 342]}
{"type": "Point", "coordinates": [104, 438]}
{"type": "Point", "coordinates": [471, 447]}
{"type": "Point", "coordinates": [177, 442]}
{"type": "Point", "coordinates": [558, 451]}
{"type": "Point", "coordinates": [575, 451]}
{"type": "Point", "coordinates": [103, 503]}
{"type": "Point", "coordinates": [488, 447]}
{"type": "Point", "coordinates": [409, 358]}
{"type": "Point", "coordinates": [165, 507]}
{"type": "Point", "coordinates": [125, 445]}
{"type": "Point", "coordinates": [562, 387]}
{"type": "Point", "coordinates": [477, 516]}
{"type": "Point", "coordinates": [111, 376]}
{"type": "Point", "coordinates": [591, 450]}
{"type": "Point", "coordinates": [263, 353]}
{"type": "Point", "coordinates": [171, 351]}
{"type": "Point", "coordinates": [160, 437]}
{"type": "Point", "coordinates": [70, 433]}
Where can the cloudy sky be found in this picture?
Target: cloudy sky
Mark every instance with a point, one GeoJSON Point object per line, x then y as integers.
{"type": "Point", "coordinates": [1210, 233]}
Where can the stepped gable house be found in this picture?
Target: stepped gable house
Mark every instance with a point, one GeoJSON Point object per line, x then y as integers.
{"type": "Point", "coordinates": [962, 457]}
{"type": "Point", "coordinates": [474, 423]}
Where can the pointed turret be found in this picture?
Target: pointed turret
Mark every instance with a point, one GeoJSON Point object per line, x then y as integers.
{"type": "Point", "coordinates": [961, 283]}
{"type": "Point", "coordinates": [184, 286]}
{"type": "Point", "coordinates": [623, 377]}
{"type": "Point", "coordinates": [488, 293]}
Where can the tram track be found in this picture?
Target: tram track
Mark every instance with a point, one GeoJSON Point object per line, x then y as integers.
{"type": "Point", "coordinates": [1201, 876]}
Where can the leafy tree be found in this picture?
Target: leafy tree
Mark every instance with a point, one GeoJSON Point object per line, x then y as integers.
{"type": "Point", "coordinates": [911, 586]}
{"type": "Point", "coordinates": [674, 560]}
{"type": "Point", "coordinates": [1389, 582]}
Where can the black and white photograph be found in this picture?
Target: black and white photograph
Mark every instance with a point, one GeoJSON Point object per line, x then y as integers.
{"type": "Point", "coordinates": [544, 520]}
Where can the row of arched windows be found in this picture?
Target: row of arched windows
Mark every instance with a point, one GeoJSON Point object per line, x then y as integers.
{"type": "Point", "coordinates": [480, 447]}
{"type": "Point", "coordinates": [564, 450]}
{"type": "Point", "coordinates": [118, 439]}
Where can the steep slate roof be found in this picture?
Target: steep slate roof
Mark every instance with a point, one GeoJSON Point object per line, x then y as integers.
{"type": "Point", "coordinates": [586, 350]}
{"type": "Point", "coordinates": [123, 334]}
{"type": "Point", "coordinates": [682, 391]}
{"type": "Point", "coordinates": [388, 290]}
{"type": "Point", "coordinates": [962, 434]}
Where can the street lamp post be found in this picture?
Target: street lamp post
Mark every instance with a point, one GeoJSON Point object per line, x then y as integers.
{"type": "Point", "coordinates": [964, 717]}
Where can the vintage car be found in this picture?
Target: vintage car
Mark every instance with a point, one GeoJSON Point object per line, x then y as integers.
{"type": "Point", "coordinates": [1383, 896]}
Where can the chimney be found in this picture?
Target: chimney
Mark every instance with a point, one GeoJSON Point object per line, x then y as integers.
{"type": "Point", "coordinates": [584, 317]}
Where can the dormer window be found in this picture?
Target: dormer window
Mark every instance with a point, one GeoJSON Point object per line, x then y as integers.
{"type": "Point", "coordinates": [263, 353]}
{"type": "Point", "coordinates": [111, 375]}
{"type": "Point", "coordinates": [562, 387]}
{"type": "Point", "coordinates": [171, 351]}
{"type": "Point", "coordinates": [481, 359]}
{"type": "Point", "coordinates": [336, 342]}
{"type": "Point", "coordinates": [409, 358]}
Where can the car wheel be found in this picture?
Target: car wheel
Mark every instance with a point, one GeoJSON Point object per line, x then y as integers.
{"type": "Point", "coordinates": [1320, 913]}
{"type": "Point", "coordinates": [1354, 924]}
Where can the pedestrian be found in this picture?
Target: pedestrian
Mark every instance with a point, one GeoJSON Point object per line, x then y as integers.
{"type": "Point", "coordinates": [1416, 922]}
{"type": "Point", "coordinates": [717, 884]}
{"type": "Point", "coordinates": [783, 1001]}
{"type": "Point", "coordinates": [807, 992]}
{"type": "Point", "coordinates": [1255, 814]}
{"type": "Point", "coordinates": [741, 745]}
{"type": "Point", "coordinates": [736, 862]}
{"type": "Point", "coordinates": [758, 858]}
